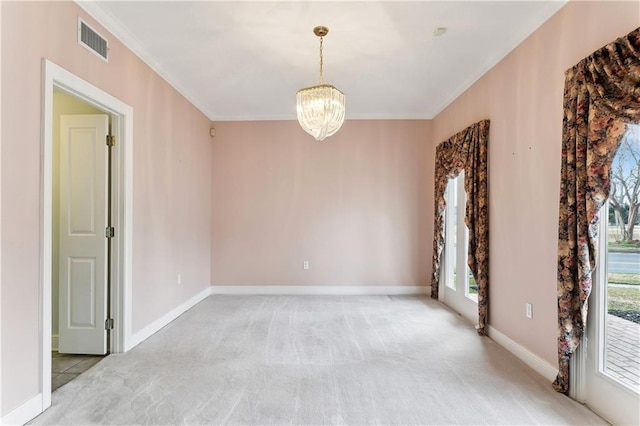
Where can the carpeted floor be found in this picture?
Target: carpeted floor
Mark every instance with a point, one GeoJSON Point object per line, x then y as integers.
{"type": "Point", "coordinates": [247, 360]}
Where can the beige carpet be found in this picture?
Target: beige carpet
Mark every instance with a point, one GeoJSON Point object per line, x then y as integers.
{"type": "Point", "coordinates": [247, 360]}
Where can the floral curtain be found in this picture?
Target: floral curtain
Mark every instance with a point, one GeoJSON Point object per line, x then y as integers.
{"type": "Point", "coordinates": [466, 150]}
{"type": "Point", "coordinates": [601, 95]}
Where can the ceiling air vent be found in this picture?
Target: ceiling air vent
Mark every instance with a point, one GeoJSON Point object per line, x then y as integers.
{"type": "Point", "coordinates": [91, 40]}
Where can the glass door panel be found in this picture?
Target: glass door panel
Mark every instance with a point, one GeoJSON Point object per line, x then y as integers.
{"type": "Point", "coordinates": [622, 241]}
{"type": "Point", "coordinates": [471, 289]}
{"type": "Point", "coordinates": [612, 366]}
{"type": "Point", "coordinates": [451, 235]}
{"type": "Point", "coordinates": [460, 289]}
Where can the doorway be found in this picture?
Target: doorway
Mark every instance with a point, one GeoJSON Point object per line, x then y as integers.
{"type": "Point", "coordinates": [59, 82]}
{"type": "Point", "coordinates": [81, 207]}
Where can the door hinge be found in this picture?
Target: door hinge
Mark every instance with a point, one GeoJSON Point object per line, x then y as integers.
{"type": "Point", "coordinates": [110, 232]}
{"type": "Point", "coordinates": [111, 140]}
{"type": "Point", "coordinates": [108, 324]}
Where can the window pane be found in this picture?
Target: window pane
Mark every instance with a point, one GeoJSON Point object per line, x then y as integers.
{"type": "Point", "coordinates": [622, 324]}
{"type": "Point", "coordinates": [450, 234]}
{"type": "Point", "coordinates": [472, 286]}
{"type": "Point", "coordinates": [454, 228]}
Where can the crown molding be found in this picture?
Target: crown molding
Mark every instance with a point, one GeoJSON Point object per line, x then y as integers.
{"type": "Point", "coordinates": [95, 10]}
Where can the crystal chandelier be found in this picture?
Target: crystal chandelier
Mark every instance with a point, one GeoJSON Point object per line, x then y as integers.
{"type": "Point", "coordinates": [320, 108]}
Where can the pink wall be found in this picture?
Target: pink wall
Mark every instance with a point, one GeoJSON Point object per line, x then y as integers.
{"type": "Point", "coordinates": [171, 187]}
{"type": "Point", "coordinates": [522, 96]}
{"type": "Point", "coordinates": [357, 206]}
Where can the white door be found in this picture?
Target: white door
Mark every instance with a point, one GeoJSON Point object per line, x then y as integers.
{"type": "Point", "coordinates": [612, 366]}
{"type": "Point", "coordinates": [83, 219]}
{"type": "Point", "coordinates": [459, 290]}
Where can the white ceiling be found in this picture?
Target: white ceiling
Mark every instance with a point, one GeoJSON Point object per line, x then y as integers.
{"type": "Point", "coordinates": [240, 60]}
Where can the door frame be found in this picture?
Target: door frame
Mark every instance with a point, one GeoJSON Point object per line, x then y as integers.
{"type": "Point", "coordinates": [54, 76]}
{"type": "Point", "coordinates": [458, 299]}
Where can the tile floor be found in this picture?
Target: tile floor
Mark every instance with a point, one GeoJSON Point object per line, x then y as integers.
{"type": "Point", "coordinates": [66, 367]}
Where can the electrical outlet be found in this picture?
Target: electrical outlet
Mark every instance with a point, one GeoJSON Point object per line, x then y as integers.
{"type": "Point", "coordinates": [179, 278]}
{"type": "Point", "coordinates": [529, 310]}
{"type": "Point", "coordinates": [305, 264]}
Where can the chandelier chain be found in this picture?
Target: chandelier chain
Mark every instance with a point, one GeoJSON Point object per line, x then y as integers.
{"type": "Point", "coordinates": [321, 62]}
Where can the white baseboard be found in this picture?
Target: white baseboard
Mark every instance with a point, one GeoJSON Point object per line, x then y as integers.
{"type": "Point", "coordinates": [541, 366]}
{"type": "Point", "coordinates": [24, 413]}
{"type": "Point", "coordinates": [318, 290]}
{"type": "Point", "coordinates": [158, 324]}
{"type": "Point", "coordinates": [54, 342]}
